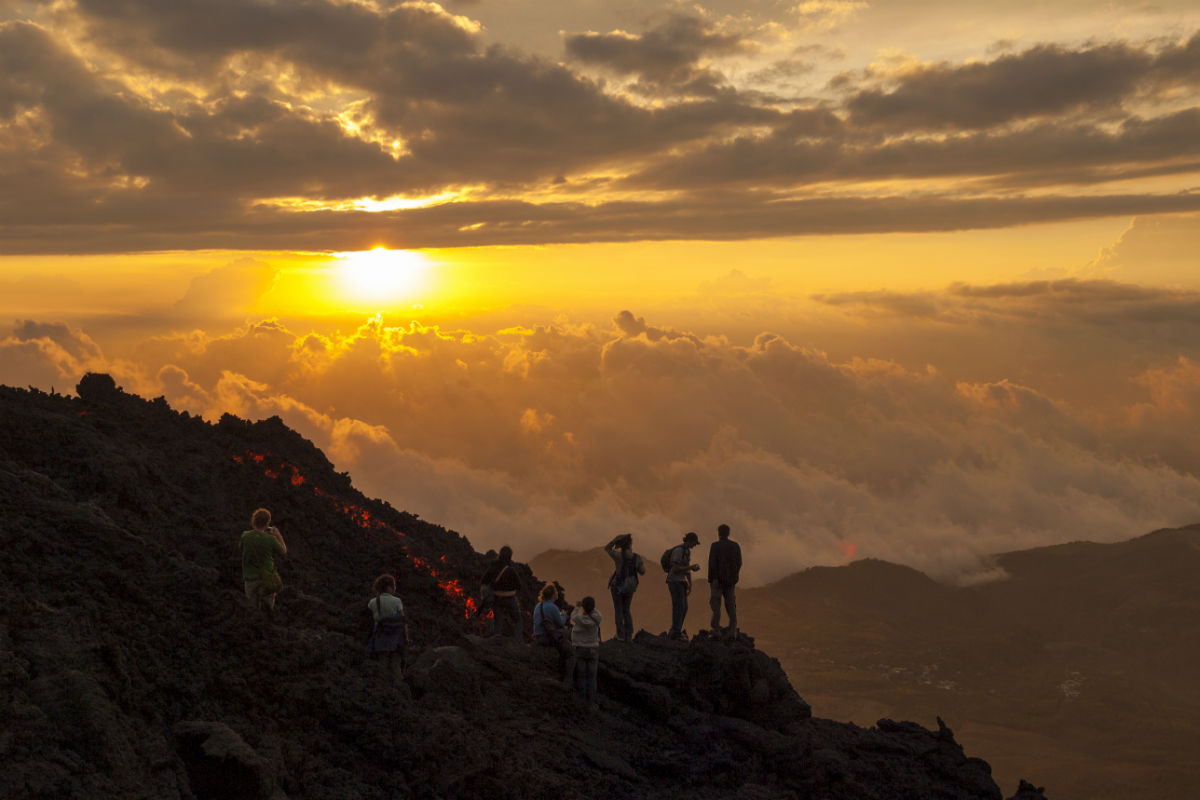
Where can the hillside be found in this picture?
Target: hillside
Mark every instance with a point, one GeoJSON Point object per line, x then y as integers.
{"type": "Point", "coordinates": [132, 667]}
{"type": "Point", "coordinates": [1081, 662]}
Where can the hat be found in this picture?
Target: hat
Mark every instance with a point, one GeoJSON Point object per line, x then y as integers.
{"type": "Point", "coordinates": [691, 538]}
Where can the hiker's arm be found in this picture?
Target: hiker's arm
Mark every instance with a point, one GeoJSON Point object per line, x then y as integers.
{"type": "Point", "coordinates": [279, 538]}
{"type": "Point", "coordinates": [712, 561]}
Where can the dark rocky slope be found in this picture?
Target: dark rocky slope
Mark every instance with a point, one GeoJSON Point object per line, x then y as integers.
{"type": "Point", "coordinates": [131, 666]}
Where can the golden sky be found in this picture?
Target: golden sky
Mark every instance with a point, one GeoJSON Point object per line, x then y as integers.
{"type": "Point", "coordinates": [925, 270]}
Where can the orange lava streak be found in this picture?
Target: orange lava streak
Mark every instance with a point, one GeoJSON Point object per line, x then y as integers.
{"type": "Point", "coordinates": [451, 587]}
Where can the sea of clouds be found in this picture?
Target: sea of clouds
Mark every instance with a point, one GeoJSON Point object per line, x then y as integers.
{"type": "Point", "coordinates": [562, 435]}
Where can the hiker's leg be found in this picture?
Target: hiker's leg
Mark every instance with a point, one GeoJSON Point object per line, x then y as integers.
{"type": "Point", "coordinates": [731, 607]}
{"type": "Point", "coordinates": [507, 612]}
{"type": "Point", "coordinates": [518, 626]}
{"type": "Point", "coordinates": [569, 672]}
{"type": "Point", "coordinates": [714, 602]}
{"type": "Point", "coordinates": [618, 612]}
{"type": "Point", "coordinates": [684, 590]}
{"type": "Point", "coordinates": [254, 593]}
{"type": "Point", "coordinates": [398, 667]}
{"type": "Point", "coordinates": [678, 605]}
{"type": "Point", "coordinates": [592, 669]}
{"type": "Point", "coordinates": [628, 608]}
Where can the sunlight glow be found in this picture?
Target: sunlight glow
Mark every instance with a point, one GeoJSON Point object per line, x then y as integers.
{"type": "Point", "coordinates": [382, 274]}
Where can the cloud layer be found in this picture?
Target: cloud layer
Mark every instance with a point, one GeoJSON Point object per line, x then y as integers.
{"type": "Point", "coordinates": [246, 125]}
{"type": "Point", "coordinates": [561, 435]}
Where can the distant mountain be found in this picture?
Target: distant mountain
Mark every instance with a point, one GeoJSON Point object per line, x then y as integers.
{"type": "Point", "coordinates": [1081, 662]}
{"type": "Point", "coordinates": [132, 667]}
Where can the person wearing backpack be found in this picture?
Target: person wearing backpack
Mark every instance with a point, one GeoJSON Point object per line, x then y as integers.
{"type": "Point", "coordinates": [260, 545]}
{"type": "Point", "coordinates": [624, 582]}
{"type": "Point", "coordinates": [583, 664]}
{"type": "Point", "coordinates": [549, 623]}
{"type": "Point", "coordinates": [678, 563]}
{"type": "Point", "coordinates": [724, 564]}
{"type": "Point", "coordinates": [390, 635]}
{"type": "Point", "coordinates": [502, 579]}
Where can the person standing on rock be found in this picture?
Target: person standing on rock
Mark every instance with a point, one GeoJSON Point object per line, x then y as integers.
{"type": "Point", "coordinates": [583, 663]}
{"type": "Point", "coordinates": [624, 582]}
{"type": "Point", "coordinates": [550, 625]}
{"type": "Point", "coordinates": [260, 545]}
{"type": "Point", "coordinates": [502, 577]}
{"type": "Point", "coordinates": [679, 581]}
{"type": "Point", "coordinates": [390, 635]}
{"type": "Point", "coordinates": [724, 564]}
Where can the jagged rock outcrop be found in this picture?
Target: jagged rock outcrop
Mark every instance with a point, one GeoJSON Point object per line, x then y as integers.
{"type": "Point", "coordinates": [131, 666]}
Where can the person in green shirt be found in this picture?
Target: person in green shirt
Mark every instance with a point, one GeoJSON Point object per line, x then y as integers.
{"type": "Point", "coordinates": [259, 547]}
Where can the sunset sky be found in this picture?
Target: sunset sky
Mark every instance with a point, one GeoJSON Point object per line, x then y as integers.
{"type": "Point", "coordinates": [910, 280]}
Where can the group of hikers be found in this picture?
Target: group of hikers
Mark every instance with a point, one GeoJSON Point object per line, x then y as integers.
{"type": "Point", "coordinates": [574, 632]}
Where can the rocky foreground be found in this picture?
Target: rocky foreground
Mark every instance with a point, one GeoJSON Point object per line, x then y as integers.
{"type": "Point", "coordinates": [131, 666]}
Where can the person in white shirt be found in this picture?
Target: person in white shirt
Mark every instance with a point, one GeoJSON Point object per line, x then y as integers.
{"type": "Point", "coordinates": [584, 661]}
{"type": "Point", "coordinates": [390, 635]}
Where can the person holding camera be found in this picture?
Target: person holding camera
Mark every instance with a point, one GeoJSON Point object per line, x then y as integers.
{"type": "Point", "coordinates": [260, 545]}
{"type": "Point", "coordinates": [624, 582]}
{"type": "Point", "coordinates": [679, 582]}
{"type": "Point", "coordinates": [583, 663]}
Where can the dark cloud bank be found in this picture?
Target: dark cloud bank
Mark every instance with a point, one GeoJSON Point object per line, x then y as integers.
{"type": "Point", "coordinates": [196, 125]}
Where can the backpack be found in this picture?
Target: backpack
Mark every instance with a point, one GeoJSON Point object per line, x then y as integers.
{"type": "Point", "coordinates": [389, 636]}
{"type": "Point", "coordinates": [624, 579]}
{"type": "Point", "coordinates": [552, 627]}
{"type": "Point", "coordinates": [665, 561]}
{"type": "Point", "coordinates": [271, 582]}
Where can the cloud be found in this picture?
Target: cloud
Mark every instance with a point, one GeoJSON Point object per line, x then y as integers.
{"type": "Point", "coordinates": [1045, 80]}
{"type": "Point", "coordinates": [242, 125]}
{"type": "Point", "coordinates": [553, 435]}
{"type": "Point", "coordinates": [1033, 156]}
{"type": "Point", "coordinates": [1152, 250]}
{"type": "Point", "coordinates": [228, 290]}
{"type": "Point", "coordinates": [667, 57]}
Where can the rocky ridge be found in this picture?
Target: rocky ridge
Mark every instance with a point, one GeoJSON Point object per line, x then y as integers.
{"type": "Point", "coordinates": [131, 666]}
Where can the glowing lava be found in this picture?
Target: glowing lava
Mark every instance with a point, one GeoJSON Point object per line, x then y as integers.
{"type": "Point", "coordinates": [451, 587]}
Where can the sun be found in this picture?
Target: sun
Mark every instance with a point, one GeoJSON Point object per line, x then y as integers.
{"type": "Point", "coordinates": [382, 274]}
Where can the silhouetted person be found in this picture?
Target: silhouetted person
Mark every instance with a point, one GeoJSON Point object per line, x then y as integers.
{"type": "Point", "coordinates": [260, 545]}
{"type": "Point", "coordinates": [724, 564]}
{"type": "Point", "coordinates": [390, 635]}
{"type": "Point", "coordinates": [584, 660]}
{"type": "Point", "coordinates": [502, 577]}
{"type": "Point", "coordinates": [550, 625]}
{"type": "Point", "coordinates": [624, 582]}
{"type": "Point", "coordinates": [679, 581]}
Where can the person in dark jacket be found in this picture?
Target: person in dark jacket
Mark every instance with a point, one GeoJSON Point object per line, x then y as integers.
{"type": "Point", "coordinates": [502, 577]}
{"type": "Point", "coordinates": [724, 564]}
